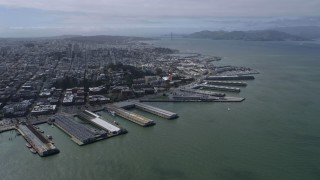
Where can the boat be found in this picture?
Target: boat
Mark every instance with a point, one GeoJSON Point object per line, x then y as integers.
{"type": "Point", "coordinates": [28, 145]}
{"type": "Point", "coordinates": [41, 131]}
{"type": "Point", "coordinates": [229, 109]}
{"type": "Point", "coordinates": [33, 151]}
{"type": "Point", "coordinates": [115, 122]}
{"type": "Point", "coordinates": [113, 113]}
{"type": "Point", "coordinates": [49, 137]}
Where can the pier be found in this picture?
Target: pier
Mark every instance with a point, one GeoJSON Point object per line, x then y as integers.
{"type": "Point", "coordinates": [79, 133]}
{"type": "Point", "coordinates": [97, 121]}
{"type": "Point", "coordinates": [219, 88]}
{"type": "Point", "coordinates": [138, 119]}
{"type": "Point", "coordinates": [203, 92]}
{"type": "Point", "coordinates": [194, 99]}
{"type": "Point", "coordinates": [157, 111]}
{"type": "Point", "coordinates": [230, 78]}
{"type": "Point", "coordinates": [38, 142]}
{"type": "Point", "coordinates": [226, 83]}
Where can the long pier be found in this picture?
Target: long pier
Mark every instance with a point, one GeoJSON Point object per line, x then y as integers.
{"type": "Point", "coordinates": [219, 88]}
{"type": "Point", "coordinates": [226, 83]}
{"type": "Point", "coordinates": [203, 92]}
{"type": "Point", "coordinates": [38, 142]}
{"type": "Point", "coordinates": [230, 78]}
{"type": "Point", "coordinates": [79, 133]}
{"type": "Point", "coordinates": [138, 119]}
{"type": "Point", "coordinates": [157, 111]}
{"type": "Point", "coordinates": [222, 99]}
{"type": "Point", "coordinates": [97, 121]}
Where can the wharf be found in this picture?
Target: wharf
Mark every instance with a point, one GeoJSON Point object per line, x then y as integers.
{"type": "Point", "coordinates": [222, 99]}
{"type": "Point", "coordinates": [230, 78]}
{"type": "Point", "coordinates": [203, 92]}
{"type": "Point", "coordinates": [125, 104]}
{"type": "Point", "coordinates": [138, 119]}
{"type": "Point", "coordinates": [6, 128]}
{"type": "Point", "coordinates": [230, 99]}
{"type": "Point", "coordinates": [96, 120]}
{"type": "Point", "coordinates": [79, 133]}
{"type": "Point", "coordinates": [157, 111]}
{"type": "Point", "coordinates": [226, 83]}
{"type": "Point", "coordinates": [219, 88]}
{"type": "Point", "coordinates": [38, 142]}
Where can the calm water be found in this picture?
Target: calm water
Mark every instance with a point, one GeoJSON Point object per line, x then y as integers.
{"type": "Point", "coordinates": [273, 134]}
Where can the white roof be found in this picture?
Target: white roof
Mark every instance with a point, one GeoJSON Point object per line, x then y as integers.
{"type": "Point", "coordinates": [105, 124]}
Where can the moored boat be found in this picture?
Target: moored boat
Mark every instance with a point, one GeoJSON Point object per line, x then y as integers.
{"type": "Point", "coordinates": [28, 145]}
{"type": "Point", "coordinates": [33, 151]}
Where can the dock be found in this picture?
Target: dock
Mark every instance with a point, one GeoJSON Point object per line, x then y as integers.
{"type": "Point", "coordinates": [138, 119]}
{"type": "Point", "coordinates": [203, 92]}
{"type": "Point", "coordinates": [219, 88]}
{"type": "Point", "coordinates": [230, 99]}
{"type": "Point", "coordinates": [6, 128]}
{"type": "Point", "coordinates": [79, 133]}
{"type": "Point", "coordinates": [226, 83]}
{"type": "Point", "coordinates": [183, 99]}
{"type": "Point", "coordinates": [157, 111]}
{"type": "Point", "coordinates": [230, 78]}
{"type": "Point", "coordinates": [38, 142]}
{"type": "Point", "coordinates": [97, 121]}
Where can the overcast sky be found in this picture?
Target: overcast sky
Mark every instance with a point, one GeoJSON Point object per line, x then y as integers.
{"type": "Point", "coordinates": [138, 17]}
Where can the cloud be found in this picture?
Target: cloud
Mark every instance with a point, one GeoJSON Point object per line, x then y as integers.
{"type": "Point", "coordinates": [177, 8]}
{"type": "Point", "coordinates": [36, 17]}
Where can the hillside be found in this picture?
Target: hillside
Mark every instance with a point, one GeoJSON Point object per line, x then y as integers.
{"type": "Point", "coordinates": [265, 35]}
{"type": "Point", "coordinates": [311, 32]}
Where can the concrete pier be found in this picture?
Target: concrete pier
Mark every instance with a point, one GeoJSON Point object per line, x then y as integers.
{"type": "Point", "coordinates": [97, 121]}
{"type": "Point", "coordinates": [38, 142]}
{"type": "Point", "coordinates": [226, 83]}
{"type": "Point", "coordinates": [156, 111]}
{"type": "Point", "coordinates": [222, 99]}
{"type": "Point", "coordinates": [219, 88]}
{"type": "Point", "coordinates": [230, 78]}
{"type": "Point", "coordinates": [203, 92]}
{"type": "Point", "coordinates": [138, 119]}
{"type": "Point", "coordinates": [79, 133]}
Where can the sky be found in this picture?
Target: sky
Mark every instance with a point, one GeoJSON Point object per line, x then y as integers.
{"type": "Point", "coordinates": [34, 18]}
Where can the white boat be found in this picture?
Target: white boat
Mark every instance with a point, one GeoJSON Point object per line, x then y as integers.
{"type": "Point", "coordinates": [113, 113]}
{"type": "Point", "coordinates": [28, 145]}
{"type": "Point", "coordinates": [229, 109]}
{"type": "Point", "coordinates": [33, 151]}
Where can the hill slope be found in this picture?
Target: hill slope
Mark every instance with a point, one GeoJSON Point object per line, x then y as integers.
{"type": "Point", "coordinates": [265, 35]}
